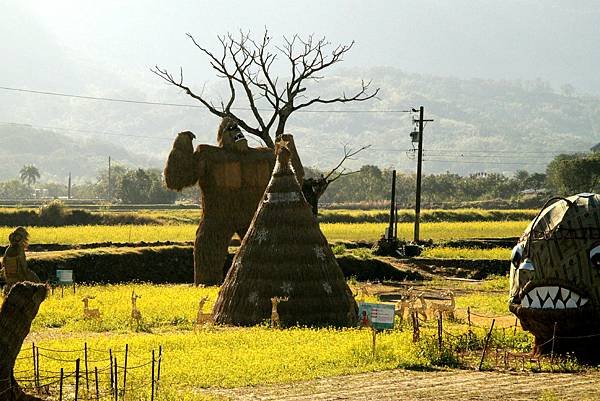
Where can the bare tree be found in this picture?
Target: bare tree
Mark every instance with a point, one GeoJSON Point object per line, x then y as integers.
{"type": "Point", "coordinates": [247, 65]}
{"type": "Point", "coordinates": [314, 188]}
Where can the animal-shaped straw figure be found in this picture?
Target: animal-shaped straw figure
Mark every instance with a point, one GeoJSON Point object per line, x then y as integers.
{"type": "Point", "coordinates": [202, 317]}
{"type": "Point", "coordinates": [402, 305]}
{"type": "Point", "coordinates": [135, 312]}
{"type": "Point", "coordinates": [87, 312]}
{"type": "Point", "coordinates": [275, 322]}
{"type": "Point", "coordinates": [364, 292]}
{"type": "Point", "coordinates": [420, 308]}
{"type": "Point", "coordinates": [444, 308]}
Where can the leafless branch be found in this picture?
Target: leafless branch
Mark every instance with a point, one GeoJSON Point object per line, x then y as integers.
{"type": "Point", "coordinates": [349, 153]}
{"type": "Point", "coordinates": [246, 64]}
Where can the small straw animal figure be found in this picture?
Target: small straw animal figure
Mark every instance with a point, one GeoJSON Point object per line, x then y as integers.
{"type": "Point", "coordinates": [364, 292]}
{"type": "Point", "coordinates": [404, 304]}
{"type": "Point", "coordinates": [87, 312]}
{"type": "Point", "coordinates": [201, 317]}
{"type": "Point", "coordinates": [419, 309]}
{"type": "Point", "coordinates": [443, 308]}
{"type": "Point", "coordinates": [275, 322]}
{"type": "Point", "coordinates": [135, 312]}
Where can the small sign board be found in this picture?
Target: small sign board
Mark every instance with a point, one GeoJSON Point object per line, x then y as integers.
{"type": "Point", "coordinates": [376, 316]}
{"type": "Point", "coordinates": [64, 276]}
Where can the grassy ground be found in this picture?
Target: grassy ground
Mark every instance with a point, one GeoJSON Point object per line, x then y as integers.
{"type": "Point", "coordinates": [333, 232]}
{"type": "Point", "coordinates": [226, 357]}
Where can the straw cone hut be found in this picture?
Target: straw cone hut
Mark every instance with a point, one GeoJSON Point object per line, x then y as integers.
{"type": "Point", "coordinates": [285, 254]}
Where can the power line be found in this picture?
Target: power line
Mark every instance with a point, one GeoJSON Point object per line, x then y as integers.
{"type": "Point", "coordinates": [108, 99]}
{"type": "Point", "coordinates": [83, 131]}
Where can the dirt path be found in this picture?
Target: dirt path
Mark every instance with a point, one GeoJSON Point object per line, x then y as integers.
{"type": "Point", "coordinates": [428, 386]}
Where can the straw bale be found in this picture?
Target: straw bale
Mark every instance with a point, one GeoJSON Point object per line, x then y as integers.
{"type": "Point", "coordinates": [285, 254]}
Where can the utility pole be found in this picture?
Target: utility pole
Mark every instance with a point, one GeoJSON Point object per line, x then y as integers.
{"type": "Point", "coordinates": [109, 181]}
{"type": "Point", "coordinates": [421, 122]}
{"type": "Point", "coordinates": [69, 188]}
{"type": "Point", "coordinates": [390, 234]}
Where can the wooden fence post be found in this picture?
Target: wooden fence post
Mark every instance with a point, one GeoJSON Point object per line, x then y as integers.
{"type": "Point", "coordinates": [440, 331]}
{"type": "Point", "coordinates": [125, 370]}
{"type": "Point", "coordinates": [96, 380]}
{"type": "Point", "coordinates": [60, 388]}
{"type": "Point", "coordinates": [152, 391]}
{"type": "Point", "coordinates": [77, 379]}
{"type": "Point", "coordinates": [487, 341]}
{"type": "Point", "coordinates": [85, 356]}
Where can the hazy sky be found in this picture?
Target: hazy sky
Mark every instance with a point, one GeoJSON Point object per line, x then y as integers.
{"type": "Point", "coordinates": [555, 40]}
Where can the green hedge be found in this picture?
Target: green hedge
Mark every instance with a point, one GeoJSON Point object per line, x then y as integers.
{"type": "Point", "coordinates": [172, 264]}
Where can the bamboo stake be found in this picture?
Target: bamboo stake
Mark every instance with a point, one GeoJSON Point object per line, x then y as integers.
{"type": "Point", "coordinates": [487, 341]}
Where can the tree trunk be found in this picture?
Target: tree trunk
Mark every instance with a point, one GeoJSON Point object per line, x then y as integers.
{"type": "Point", "coordinates": [18, 311]}
{"type": "Point", "coordinates": [312, 189]}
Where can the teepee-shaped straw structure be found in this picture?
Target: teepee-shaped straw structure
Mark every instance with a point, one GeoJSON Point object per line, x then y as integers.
{"type": "Point", "coordinates": [285, 254]}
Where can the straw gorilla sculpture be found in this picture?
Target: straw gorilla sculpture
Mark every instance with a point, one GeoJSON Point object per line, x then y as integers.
{"type": "Point", "coordinates": [232, 179]}
{"type": "Point", "coordinates": [555, 277]}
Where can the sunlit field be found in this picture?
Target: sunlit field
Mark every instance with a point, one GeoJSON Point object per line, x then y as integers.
{"type": "Point", "coordinates": [209, 356]}
{"type": "Point", "coordinates": [333, 232]}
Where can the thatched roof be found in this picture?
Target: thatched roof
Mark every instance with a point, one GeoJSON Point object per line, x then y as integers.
{"type": "Point", "coordinates": [285, 254]}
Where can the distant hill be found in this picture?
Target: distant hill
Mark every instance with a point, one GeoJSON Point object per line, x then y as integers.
{"type": "Point", "coordinates": [480, 125]}
{"type": "Point", "coordinates": [56, 154]}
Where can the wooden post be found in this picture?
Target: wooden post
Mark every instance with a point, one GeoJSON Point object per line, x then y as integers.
{"type": "Point", "coordinates": [158, 370]}
{"type": "Point", "coordinates": [85, 356]}
{"type": "Point", "coordinates": [374, 333]}
{"type": "Point", "coordinates": [415, 321]}
{"type": "Point", "coordinates": [552, 350]}
{"type": "Point", "coordinates": [35, 383]}
{"type": "Point", "coordinates": [60, 388]}
{"type": "Point", "coordinates": [96, 380]}
{"type": "Point", "coordinates": [37, 364]}
{"type": "Point", "coordinates": [469, 317]}
{"type": "Point", "coordinates": [125, 371]}
{"type": "Point", "coordinates": [487, 341]}
{"type": "Point", "coordinates": [112, 377]}
{"type": "Point", "coordinates": [77, 379]}
{"type": "Point", "coordinates": [152, 391]}
{"type": "Point", "coordinates": [116, 380]}
{"type": "Point", "coordinates": [440, 330]}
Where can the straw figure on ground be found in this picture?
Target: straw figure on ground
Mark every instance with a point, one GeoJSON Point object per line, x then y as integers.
{"type": "Point", "coordinates": [14, 263]}
{"type": "Point", "coordinates": [443, 308]}
{"type": "Point", "coordinates": [275, 301]}
{"type": "Point", "coordinates": [232, 179]}
{"type": "Point", "coordinates": [136, 315]}
{"type": "Point", "coordinates": [420, 308]}
{"type": "Point", "coordinates": [201, 316]}
{"type": "Point", "coordinates": [87, 312]}
{"type": "Point", "coordinates": [16, 314]}
{"type": "Point", "coordinates": [285, 254]}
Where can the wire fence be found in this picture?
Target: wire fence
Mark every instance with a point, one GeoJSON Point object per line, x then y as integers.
{"type": "Point", "coordinates": [109, 375]}
{"type": "Point", "coordinates": [489, 346]}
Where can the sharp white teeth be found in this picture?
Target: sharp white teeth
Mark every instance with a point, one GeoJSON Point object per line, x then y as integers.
{"type": "Point", "coordinates": [548, 304]}
{"type": "Point", "coordinates": [571, 304]}
{"type": "Point", "coordinates": [583, 301]}
{"type": "Point", "coordinates": [525, 302]}
{"type": "Point", "coordinates": [553, 291]}
{"type": "Point", "coordinates": [560, 304]}
{"type": "Point", "coordinates": [542, 292]}
{"type": "Point", "coordinates": [575, 297]}
{"type": "Point", "coordinates": [535, 304]}
{"type": "Point", "coordinates": [565, 293]}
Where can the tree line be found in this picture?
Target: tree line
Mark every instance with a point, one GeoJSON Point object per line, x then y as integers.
{"type": "Point", "coordinates": [565, 175]}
